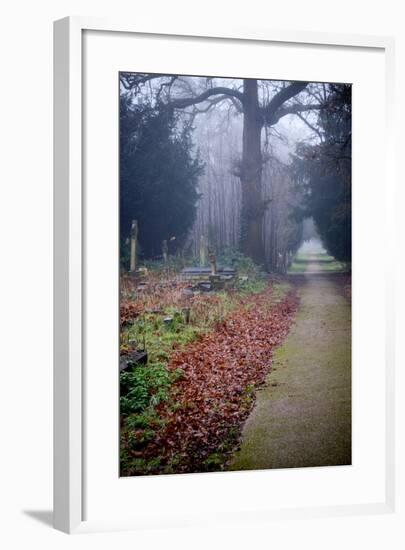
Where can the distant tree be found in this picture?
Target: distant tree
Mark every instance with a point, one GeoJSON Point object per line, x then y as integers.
{"type": "Point", "coordinates": [324, 169]}
{"type": "Point", "coordinates": [158, 176]}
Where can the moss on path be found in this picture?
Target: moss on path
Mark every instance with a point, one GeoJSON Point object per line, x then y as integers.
{"type": "Point", "coordinates": [302, 416]}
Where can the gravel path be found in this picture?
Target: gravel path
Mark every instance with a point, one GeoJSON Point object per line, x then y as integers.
{"type": "Point", "coordinates": [302, 416]}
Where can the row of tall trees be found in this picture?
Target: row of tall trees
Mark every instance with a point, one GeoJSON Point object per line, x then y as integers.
{"type": "Point", "coordinates": [283, 230]}
{"type": "Point", "coordinates": [219, 207]}
{"type": "Point", "coordinates": [218, 138]}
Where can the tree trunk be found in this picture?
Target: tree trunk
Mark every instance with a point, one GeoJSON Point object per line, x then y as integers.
{"type": "Point", "coordinates": [251, 176]}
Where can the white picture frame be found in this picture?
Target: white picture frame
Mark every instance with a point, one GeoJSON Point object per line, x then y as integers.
{"type": "Point", "coordinates": [69, 212]}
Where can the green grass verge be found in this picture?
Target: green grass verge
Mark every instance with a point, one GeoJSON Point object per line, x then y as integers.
{"type": "Point", "coordinates": [320, 262]}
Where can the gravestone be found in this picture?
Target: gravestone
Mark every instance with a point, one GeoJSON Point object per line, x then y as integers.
{"type": "Point", "coordinates": [213, 262]}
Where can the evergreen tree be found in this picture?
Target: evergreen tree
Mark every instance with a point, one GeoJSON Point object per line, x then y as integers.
{"type": "Point", "coordinates": [324, 169]}
{"type": "Point", "coordinates": [158, 177]}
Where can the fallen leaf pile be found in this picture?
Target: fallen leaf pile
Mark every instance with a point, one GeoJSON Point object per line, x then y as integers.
{"type": "Point", "coordinates": [216, 392]}
{"type": "Point", "coordinates": [129, 311]}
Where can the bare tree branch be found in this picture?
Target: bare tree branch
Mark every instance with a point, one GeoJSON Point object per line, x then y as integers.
{"type": "Point", "coordinates": [133, 80]}
{"type": "Point", "coordinates": [212, 102]}
{"type": "Point", "coordinates": [181, 103]}
{"type": "Point", "coordinates": [311, 126]}
{"type": "Point", "coordinates": [166, 85]}
{"type": "Point", "coordinates": [268, 111]}
{"type": "Point", "coordinates": [295, 109]}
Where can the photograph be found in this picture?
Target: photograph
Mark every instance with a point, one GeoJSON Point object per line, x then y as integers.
{"type": "Point", "coordinates": [235, 255]}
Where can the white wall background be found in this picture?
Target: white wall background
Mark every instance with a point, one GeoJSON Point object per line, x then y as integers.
{"type": "Point", "coordinates": [26, 267]}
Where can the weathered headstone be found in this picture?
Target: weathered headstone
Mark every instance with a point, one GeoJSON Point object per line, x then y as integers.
{"type": "Point", "coordinates": [168, 321]}
{"type": "Point", "coordinates": [186, 313]}
{"type": "Point", "coordinates": [217, 282]}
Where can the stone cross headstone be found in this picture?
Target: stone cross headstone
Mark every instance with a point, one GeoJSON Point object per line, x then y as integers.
{"type": "Point", "coordinates": [134, 240]}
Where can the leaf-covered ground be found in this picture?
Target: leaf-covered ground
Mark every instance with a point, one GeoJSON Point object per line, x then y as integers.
{"type": "Point", "coordinates": [199, 426]}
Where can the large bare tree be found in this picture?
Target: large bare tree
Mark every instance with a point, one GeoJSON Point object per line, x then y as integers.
{"type": "Point", "coordinates": [258, 110]}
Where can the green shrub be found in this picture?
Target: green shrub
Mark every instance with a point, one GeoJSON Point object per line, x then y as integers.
{"type": "Point", "coordinates": [144, 386]}
{"type": "Point", "coordinates": [243, 264]}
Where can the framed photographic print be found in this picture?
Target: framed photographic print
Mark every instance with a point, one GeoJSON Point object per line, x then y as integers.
{"type": "Point", "coordinates": [216, 352]}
